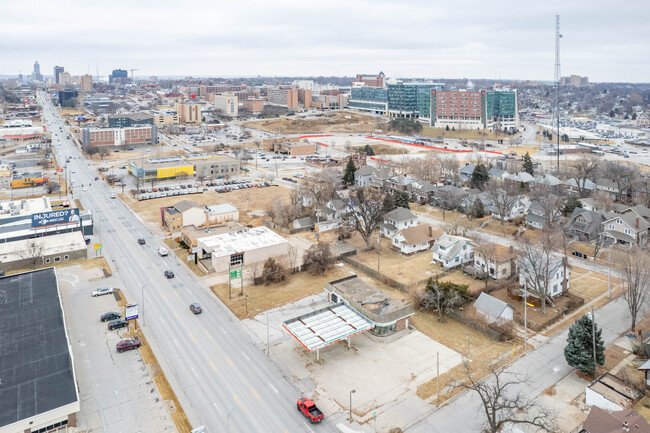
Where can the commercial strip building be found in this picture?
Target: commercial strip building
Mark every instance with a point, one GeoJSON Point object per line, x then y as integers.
{"type": "Point", "coordinates": [35, 218]}
{"type": "Point", "coordinates": [249, 247]}
{"type": "Point", "coordinates": [115, 137]}
{"type": "Point", "coordinates": [42, 251]}
{"type": "Point", "coordinates": [205, 165]}
{"type": "Point", "coordinates": [39, 385]}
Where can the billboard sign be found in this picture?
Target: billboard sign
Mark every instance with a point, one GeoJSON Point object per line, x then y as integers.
{"type": "Point", "coordinates": [55, 217]}
{"type": "Point", "coordinates": [131, 311]}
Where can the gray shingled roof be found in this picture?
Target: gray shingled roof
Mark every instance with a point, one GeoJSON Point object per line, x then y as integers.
{"type": "Point", "coordinates": [400, 214]}
{"type": "Point", "coordinates": [490, 306]}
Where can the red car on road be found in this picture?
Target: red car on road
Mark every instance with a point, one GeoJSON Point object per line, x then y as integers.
{"type": "Point", "coordinates": [309, 409]}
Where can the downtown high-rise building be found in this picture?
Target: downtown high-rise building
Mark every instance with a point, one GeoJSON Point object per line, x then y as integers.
{"type": "Point", "coordinates": [57, 72]}
{"type": "Point", "coordinates": [36, 75]}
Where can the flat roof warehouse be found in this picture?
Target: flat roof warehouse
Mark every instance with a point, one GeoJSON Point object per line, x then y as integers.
{"type": "Point", "coordinates": [39, 387]}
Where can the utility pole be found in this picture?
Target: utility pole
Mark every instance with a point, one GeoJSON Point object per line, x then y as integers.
{"type": "Point", "coordinates": [558, 36]}
{"type": "Point", "coordinates": [593, 335]}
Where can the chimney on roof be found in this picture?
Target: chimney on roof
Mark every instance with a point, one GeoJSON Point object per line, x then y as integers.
{"type": "Point", "coordinates": [637, 222]}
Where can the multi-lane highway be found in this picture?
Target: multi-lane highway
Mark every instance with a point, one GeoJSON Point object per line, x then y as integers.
{"type": "Point", "coordinates": [222, 380]}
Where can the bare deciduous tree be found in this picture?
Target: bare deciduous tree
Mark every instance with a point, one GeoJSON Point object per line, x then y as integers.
{"type": "Point", "coordinates": [634, 265]}
{"type": "Point", "coordinates": [502, 405]}
{"type": "Point", "coordinates": [33, 250]}
{"type": "Point", "coordinates": [52, 187]}
{"type": "Point", "coordinates": [538, 263]}
{"type": "Point", "coordinates": [583, 169]}
{"type": "Point", "coordinates": [503, 200]}
{"type": "Point", "coordinates": [485, 250]}
{"type": "Point", "coordinates": [318, 258]}
{"type": "Point", "coordinates": [366, 211]}
{"type": "Point", "coordinates": [624, 176]}
{"type": "Point", "coordinates": [293, 259]}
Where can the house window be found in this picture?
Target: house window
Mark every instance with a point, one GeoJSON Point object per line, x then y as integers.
{"type": "Point", "coordinates": [47, 260]}
{"type": "Point", "coordinates": [236, 259]}
{"type": "Point", "coordinates": [57, 259]}
{"type": "Point", "coordinates": [66, 257]}
{"type": "Point", "coordinates": [628, 231]}
{"type": "Point", "coordinates": [335, 298]}
{"type": "Point", "coordinates": [457, 258]}
{"type": "Point", "coordinates": [611, 226]}
{"type": "Point", "coordinates": [618, 221]}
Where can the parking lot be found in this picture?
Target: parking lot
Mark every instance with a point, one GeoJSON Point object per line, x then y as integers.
{"type": "Point", "coordinates": [123, 398]}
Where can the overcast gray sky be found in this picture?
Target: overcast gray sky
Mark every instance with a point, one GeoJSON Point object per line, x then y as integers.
{"type": "Point", "coordinates": [504, 39]}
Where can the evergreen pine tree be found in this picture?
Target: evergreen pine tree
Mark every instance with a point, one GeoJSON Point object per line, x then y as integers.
{"type": "Point", "coordinates": [401, 199]}
{"type": "Point", "coordinates": [480, 177]}
{"type": "Point", "coordinates": [348, 175]}
{"type": "Point", "coordinates": [579, 349]}
{"type": "Point", "coordinates": [528, 164]}
{"type": "Point", "coordinates": [477, 210]}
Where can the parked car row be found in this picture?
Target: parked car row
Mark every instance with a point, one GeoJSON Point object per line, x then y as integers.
{"type": "Point", "coordinates": [288, 179]}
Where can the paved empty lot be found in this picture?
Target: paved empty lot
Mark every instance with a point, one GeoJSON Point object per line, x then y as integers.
{"type": "Point", "coordinates": [116, 391]}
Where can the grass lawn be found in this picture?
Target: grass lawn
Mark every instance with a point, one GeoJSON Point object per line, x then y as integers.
{"type": "Point", "coordinates": [588, 284]}
{"type": "Point", "coordinates": [262, 298]}
{"type": "Point", "coordinates": [494, 226]}
{"type": "Point", "coordinates": [467, 134]}
{"type": "Point", "coordinates": [522, 150]}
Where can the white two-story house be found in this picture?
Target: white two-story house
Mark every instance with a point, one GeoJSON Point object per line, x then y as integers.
{"type": "Point", "coordinates": [451, 251]}
{"type": "Point", "coordinates": [396, 220]}
{"type": "Point", "coordinates": [546, 271]}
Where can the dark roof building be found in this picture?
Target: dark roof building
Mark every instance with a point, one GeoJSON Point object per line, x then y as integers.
{"type": "Point", "coordinates": [39, 387]}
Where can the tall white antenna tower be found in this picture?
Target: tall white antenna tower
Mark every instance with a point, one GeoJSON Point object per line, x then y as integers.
{"type": "Point", "coordinates": [558, 36]}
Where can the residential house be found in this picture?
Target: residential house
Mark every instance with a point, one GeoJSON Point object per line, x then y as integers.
{"type": "Point", "coordinates": [475, 194]}
{"type": "Point", "coordinates": [380, 176]}
{"type": "Point", "coordinates": [451, 251]}
{"type": "Point", "coordinates": [183, 213]}
{"type": "Point", "coordinates": [639, 210]}
{"type": "Point", "coordinates": [610, 393]}
{"type": "Point", "coordinates": [497, 174]}
{"type": "Point", "coordinates": [537, 217]}
{"type": "Point", "coordinates": [220, 213]}
{"type": "Point", "coordinates": [466, 172]}
{"type": "Point", "coordinates": [584, 225]}
{"type": "Point", "coordinates": [517, 210]}
{"type": "Point", "coordinates": [493, 310]}
{"type": "Point", "coordinates": [609, 186]}
{"type": "Point", "coordinates": [396, 220]}
{"type": "Point", "coordinates": [622, 421]}
{"type": "Point", "coordinates": [362, 176]}
{"type": "Point", "coordinates": [415, 239]}
{"type": "Point", "coordinates": [335, 209]}
{"type": "Point", "coordinates": [519, 180]}
{"type": "Point", "coordinates": [533, 276]}
{"type": "Point", "coordinates": [397, 183]}
{"type": "Point", "coordinates": [626, 229]}
{"type": "Point", "coordinates": [421, 191]}
{"type": "Point", "coordinates": [589, 203]}
{"type": "Point", "coordinates": [501, 264]}
{"type": "Point", "coordinates": [546, 184]}
{"type": "Point", "coordinates": [573, 187]}
{"type": "Point", "coordinates": [448, 196]}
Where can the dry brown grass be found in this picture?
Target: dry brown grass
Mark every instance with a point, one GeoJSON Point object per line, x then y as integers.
{"type": "Point", "coordinates": [467, 134]}
{"type": "Point", "coordinates": [495, 227]}
{"type": "Point", "coordinates": [262, 297]}
{"type": "Point", "coordinates": [588, 284]}
{"type": "Point", "coordinates": [522, 150]}
{"type": "Point", "coordinates": [453, 335]}
{"type": "Point", "coordinates": [250, 199]}
{"type": "Point", "coordinates": [338, 122]}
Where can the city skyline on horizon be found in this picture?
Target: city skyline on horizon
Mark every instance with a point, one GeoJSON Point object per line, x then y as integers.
{"type": "Point", "coordinates": [249, 39]}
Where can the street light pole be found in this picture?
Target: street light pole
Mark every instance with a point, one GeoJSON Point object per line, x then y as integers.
{"type": "Point", "coordinates": [469, 355]}
{"type": "Point", "coordinates": [378, 251]}
{"type": "Point", "coordinates": [228, 419]}
{"type": "Point", "coordinates": [593, 335]}
{"type": "Point", "coordinates": [351, 392]}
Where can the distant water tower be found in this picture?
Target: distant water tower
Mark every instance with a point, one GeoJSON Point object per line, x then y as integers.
{"type": "Point", "coordinates": [470, 85]}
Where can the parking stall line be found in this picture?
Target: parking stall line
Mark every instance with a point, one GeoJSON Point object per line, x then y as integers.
{"type": "Point", "coordinates": [257, 396]}
{"type": "Point", "coordinates": [213, 367]}
{"type": "Point", "coordinates": [230, 362]}
{"type": "Point", "coordinates": [237, 401]}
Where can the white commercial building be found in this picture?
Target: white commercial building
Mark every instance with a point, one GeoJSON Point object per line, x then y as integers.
{"type": "Point", "coordinates": [247, 247]}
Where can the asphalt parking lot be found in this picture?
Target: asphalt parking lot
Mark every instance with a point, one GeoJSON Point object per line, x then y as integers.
{"type": "Point", "coordinates": [123, 398]}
